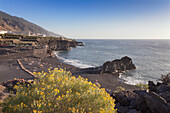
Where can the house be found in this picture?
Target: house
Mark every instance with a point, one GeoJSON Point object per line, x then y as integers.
{"type": "Point", "coordinates": [31, 34]}
{"type": "Point", "coordinates": [9, 32]}
{"type": "Point", "coordinates": [3, 32]}
{"type": "Point", "coordinates": [41, 35]}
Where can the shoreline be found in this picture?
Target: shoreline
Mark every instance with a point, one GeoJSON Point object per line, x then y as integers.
{"type": "Point", "coordinates": [72, 62]}
{"type": "Point", "coordinates": [128, 97]}
{"type": "Point", "coordinates": [10, 69]}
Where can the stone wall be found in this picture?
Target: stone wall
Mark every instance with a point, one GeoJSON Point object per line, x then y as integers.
{"type": "Point", "coordinates": [40, 53]}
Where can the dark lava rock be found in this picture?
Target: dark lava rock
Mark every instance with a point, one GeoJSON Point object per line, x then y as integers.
{"type": "Point", "coordinates": [166, 96]}
{"type": "Point", "coordinates": [125, 98]}
{"type": "Point", "coordinates": [93, 70]}
{"type": "Point", "coordinates": [10, 84]}
{"type": "Point", "coordinates": [134, 111]}
{"type": "Point", "coordinates": [73, 43]}
{"type": "Point", "coordinates": [152, 86]}
{"type": "Point", "coordinates": [122, 109]}
{"type": "Point", "coordinates": [59, 45]}
{"type": "Point", "coordinates": [162, 88]}
{"type": "Point", "coordinates": [140, 92]}
{"type": "Point", "coordinates": [125, 109]}
{"type": "Point", "coordinates": [118, 65]}
{"type": "Point", "coordinates": [156, 103]}
{"type": "Point", "coordinates": [140, 103]}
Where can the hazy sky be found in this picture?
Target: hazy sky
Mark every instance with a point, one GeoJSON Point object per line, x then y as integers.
{"type": "Point", "coordinates": [102, 19]}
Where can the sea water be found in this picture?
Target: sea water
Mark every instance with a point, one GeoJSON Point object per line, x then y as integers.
{"type": "Point", "coordinates": [151, 57]}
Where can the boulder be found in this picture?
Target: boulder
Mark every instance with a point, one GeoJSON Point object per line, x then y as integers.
{"type": "Point", "coordinates": [166, 96]}
{"type": "Point", "coordinates": [156, 103]}
{"type": "Point", "coordinates": [10, 84]}
{"type": "Point", "coordinates": [125, 98]}
{"type": "Point", "coordinates": [2, 88]}
{"type": "Point", "coordinates": [125, 109]}
{"type": "Point", "coordinates": [152, 86]}
{"type": "Point", "coordinates": [133, 111]}
{"type": "Point", "coordinates": [140, 102]}
{"type": "Point", "coordinates": [162, 88]}
{"type": "Point", "coordinates": [122, 109]}
{"type": "Point", "coordinates": [118, 65]}
{"type": "Point", "coordinates": [3, 96]}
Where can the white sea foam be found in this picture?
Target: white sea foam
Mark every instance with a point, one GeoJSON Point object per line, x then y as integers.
{"type": "Point", "coordinates": [75, 63]}
{"type": "Point", "coordinates": [131, 79]}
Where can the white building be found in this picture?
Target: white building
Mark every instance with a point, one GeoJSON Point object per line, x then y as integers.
{"type": "Point", "coordinates": [36, 34]}
{"type": "Point", "coordinates": [3, 32]}
{"type": "Point", "coordinates": [9, 32]}
{"type": "Point", "coordinates": [41, 35]}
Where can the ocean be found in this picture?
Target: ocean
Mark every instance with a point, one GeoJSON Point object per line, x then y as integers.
{"type": "Point", "coordinates": [151, 57]}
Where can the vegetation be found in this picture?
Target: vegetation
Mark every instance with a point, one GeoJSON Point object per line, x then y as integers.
{"type": "Point", "coordinates": [58, 91]}
{"type": "Point", "coordinates": [143, 86]}
{"type": "Point", "coordinates": [118, 89]}
{"type": "Point", "coordinates": [24, 36]}
{"type": "Point", "coordinates": [165, 78]}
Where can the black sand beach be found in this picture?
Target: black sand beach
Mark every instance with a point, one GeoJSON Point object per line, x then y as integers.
{"type": "Point", "coordinates": [10, 69]}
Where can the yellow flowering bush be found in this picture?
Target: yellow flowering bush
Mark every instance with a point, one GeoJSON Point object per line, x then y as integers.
{"type": "Point", "coordinates": [59, 92]}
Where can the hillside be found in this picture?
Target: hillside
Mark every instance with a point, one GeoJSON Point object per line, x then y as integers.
{"type": "Point", "coordinates": [13, 23]}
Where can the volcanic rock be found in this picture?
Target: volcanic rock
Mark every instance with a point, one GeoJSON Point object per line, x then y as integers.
{"type": "Point", "coordinates": [118, 65]}
{"type": "Point", "coordinates": [157, 104]}
{"type": "Point", "coordinates": [125, 98]}
{"type": "Point", "coordinates": [10, 84]}
{"type": "Point", "coordinates": [162, 88]}
{"type": "Point", "coordinates": [166, 96]}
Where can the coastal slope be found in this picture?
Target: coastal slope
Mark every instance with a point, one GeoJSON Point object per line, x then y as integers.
{"type": "Point", "coordinates": [13, 23]}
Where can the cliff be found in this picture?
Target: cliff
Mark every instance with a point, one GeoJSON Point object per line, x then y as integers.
{"type": "Point", "coordinates": [59, 44]}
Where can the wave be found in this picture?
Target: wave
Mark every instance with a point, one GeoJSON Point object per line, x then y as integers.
{"type": "Point", "coordinates": [131, 79]}
{"type": "Point", "coordinates": [75, 63]}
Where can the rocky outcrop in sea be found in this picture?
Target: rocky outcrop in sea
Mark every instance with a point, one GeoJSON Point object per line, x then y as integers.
{"type": "Point", "coordinates": [113, 67]}
{"type": "Point", "coordinates": [118, 65]}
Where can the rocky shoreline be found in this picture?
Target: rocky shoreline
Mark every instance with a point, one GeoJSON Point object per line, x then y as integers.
{"type": "Point", "coordinates": [129, 99]}
{"type": "Point", "coordinates": [155, 100]}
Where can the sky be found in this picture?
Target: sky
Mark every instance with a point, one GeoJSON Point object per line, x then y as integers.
{"type": "Point", "coordinates": [96, 19]}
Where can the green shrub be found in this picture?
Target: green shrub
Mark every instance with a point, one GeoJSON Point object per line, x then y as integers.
{"type": "Point", "coordinates": [118, 89]}
{"type": "Point", "coordinates": [59, 92]}
{"type": "Point", "coordinates": [142, 86]}
{"type": "Point", "coordinates": [165, 78]}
